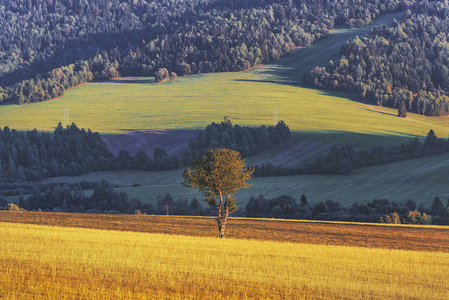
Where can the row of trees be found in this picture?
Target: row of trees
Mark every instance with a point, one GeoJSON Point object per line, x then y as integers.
{"type": "Point", "coordinates": [346, 159]}
{"type": "Point", "coordinates": [104, 199]}
{"type": "Point", "coordinates": [405, 63]}
{"type": "Point", "coordinates": [32, 156]}
{"type": "Point", "coordinates": [47, 46]}
{"type": "Point", "coordinates": [379, 210]}
{"type": "Point", "coordinates": [246, 140]}
{"type": "Point", "coordinates": [67, 197]}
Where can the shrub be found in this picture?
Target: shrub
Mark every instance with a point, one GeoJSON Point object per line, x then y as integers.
{"type": "Point", "coordinates": [13, 207]}
{"type": "Point", "coordinates": [415, 217]}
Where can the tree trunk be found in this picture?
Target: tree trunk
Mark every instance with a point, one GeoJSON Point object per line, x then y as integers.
{"type": "Point", "coordinates": [223, 226]}
{"type": "Point", "coordinates": [220, 226]}
{"type": "Point", "coordinates": [219, 217]}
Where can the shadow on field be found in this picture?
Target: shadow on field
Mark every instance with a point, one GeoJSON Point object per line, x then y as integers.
{"type": "Point", "coordinates": [357, 139]}
{"type": "Point", "coordinates": [127, 80]}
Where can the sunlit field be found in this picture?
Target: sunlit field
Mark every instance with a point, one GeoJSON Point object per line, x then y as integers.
{"type": "Point", "coordinates": [196, 101]}
{"type": "Point", "coordinates": [52, 262]}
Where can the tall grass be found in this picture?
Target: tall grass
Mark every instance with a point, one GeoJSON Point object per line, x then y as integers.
{"type": "Point", "coordinates": [53, 262]}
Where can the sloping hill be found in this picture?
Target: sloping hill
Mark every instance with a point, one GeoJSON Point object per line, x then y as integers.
{"type": "Point", "coordinates": [247, 97]}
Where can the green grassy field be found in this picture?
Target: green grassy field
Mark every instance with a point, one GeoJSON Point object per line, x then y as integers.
{"type": "Point", "coordinates": [419, 180]}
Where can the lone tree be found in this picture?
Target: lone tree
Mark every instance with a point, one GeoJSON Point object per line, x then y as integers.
{"type": "Point", "coordinates": [219, 174]}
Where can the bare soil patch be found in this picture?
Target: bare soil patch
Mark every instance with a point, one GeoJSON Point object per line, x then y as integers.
{"type": "Point", "coordinates": [173, 141]}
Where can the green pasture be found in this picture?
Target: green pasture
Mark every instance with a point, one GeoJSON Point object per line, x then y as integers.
{"type": "Point", "coordinates": [419, 180]}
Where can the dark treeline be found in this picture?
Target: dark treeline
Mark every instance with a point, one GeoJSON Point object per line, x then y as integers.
{"type": "Point", "coordinates": [405, 62]}
{"type": "Point", "coordinates": [246, 140]}
{"type": "Point", "coordinates": [64, 197]}
{"type": "Point", "coordinates": [32, 156]}
{"type": "Point", "coordinates": [379, 210]}
{"type": "Point", "coordinates": [16, 188]}
{"type": "Point", "coordinates": [104, 199]}
{"type": "Point", "coordinates": [345, 159]}
{"type": "Point", "coordinates": [48, 46]}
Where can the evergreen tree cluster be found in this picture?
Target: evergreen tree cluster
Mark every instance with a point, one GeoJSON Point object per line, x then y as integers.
{"type": "Point", "coordinates": [33, 155]}
{"type": "Point", "coordinates": [47, 46]}
{"type": "Point", "coordinates": [246, 140]}
{"type": "Point", "coordinates": [25, 188]}
{"type": "Point", "coordinates": [405, 63]}
{"type": "Point", "coordinates": [345, 159]}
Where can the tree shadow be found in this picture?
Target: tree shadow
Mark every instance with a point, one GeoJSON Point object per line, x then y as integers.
{"type": "Point", "coordinates": [137, 80]}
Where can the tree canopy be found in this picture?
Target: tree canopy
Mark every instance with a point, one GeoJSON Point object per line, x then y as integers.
{"type": "Point", "coordinates": [219, 174]}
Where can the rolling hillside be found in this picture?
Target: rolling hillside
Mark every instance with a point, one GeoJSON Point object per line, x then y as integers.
{"type": "Point", "coordinates": [318, 120]}
{"type": "Point", "coordinates": [247, 97]}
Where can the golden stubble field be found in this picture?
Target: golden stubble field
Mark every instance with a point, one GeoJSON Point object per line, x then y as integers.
{"type": "Point", "coordinates": [170, 258]}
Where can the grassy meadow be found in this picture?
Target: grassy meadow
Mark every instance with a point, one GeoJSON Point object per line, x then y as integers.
{"type": "Point", "coordinates": [419, 180]}
{"type": "Point", "coordinates": [40, 261]}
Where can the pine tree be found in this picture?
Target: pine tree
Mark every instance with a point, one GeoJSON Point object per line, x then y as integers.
{"type": "Point", "coordinates": [402, 111]}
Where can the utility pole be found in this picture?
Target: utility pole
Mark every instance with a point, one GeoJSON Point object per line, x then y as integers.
{"type": "Point", "coordinates": [167, 207]}
{"type": "Point", "coordinates": [275, 116]}
{"type": "Point", "coordinates": [66, 117]}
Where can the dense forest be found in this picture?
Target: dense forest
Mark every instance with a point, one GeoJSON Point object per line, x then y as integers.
{"type": "Point", "coordinates": [402, 64]}
{"type": "Point", "coordinates": [48, 46]}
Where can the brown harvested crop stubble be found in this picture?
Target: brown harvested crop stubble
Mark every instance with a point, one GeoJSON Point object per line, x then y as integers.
{"type": "Point", "coordinates": [405, 237]}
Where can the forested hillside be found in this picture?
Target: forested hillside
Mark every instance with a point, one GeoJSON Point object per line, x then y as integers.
{"type": "Point", "coordinates": [48, 46]}
{"type": "Point", "coordinates": [405, 62]}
